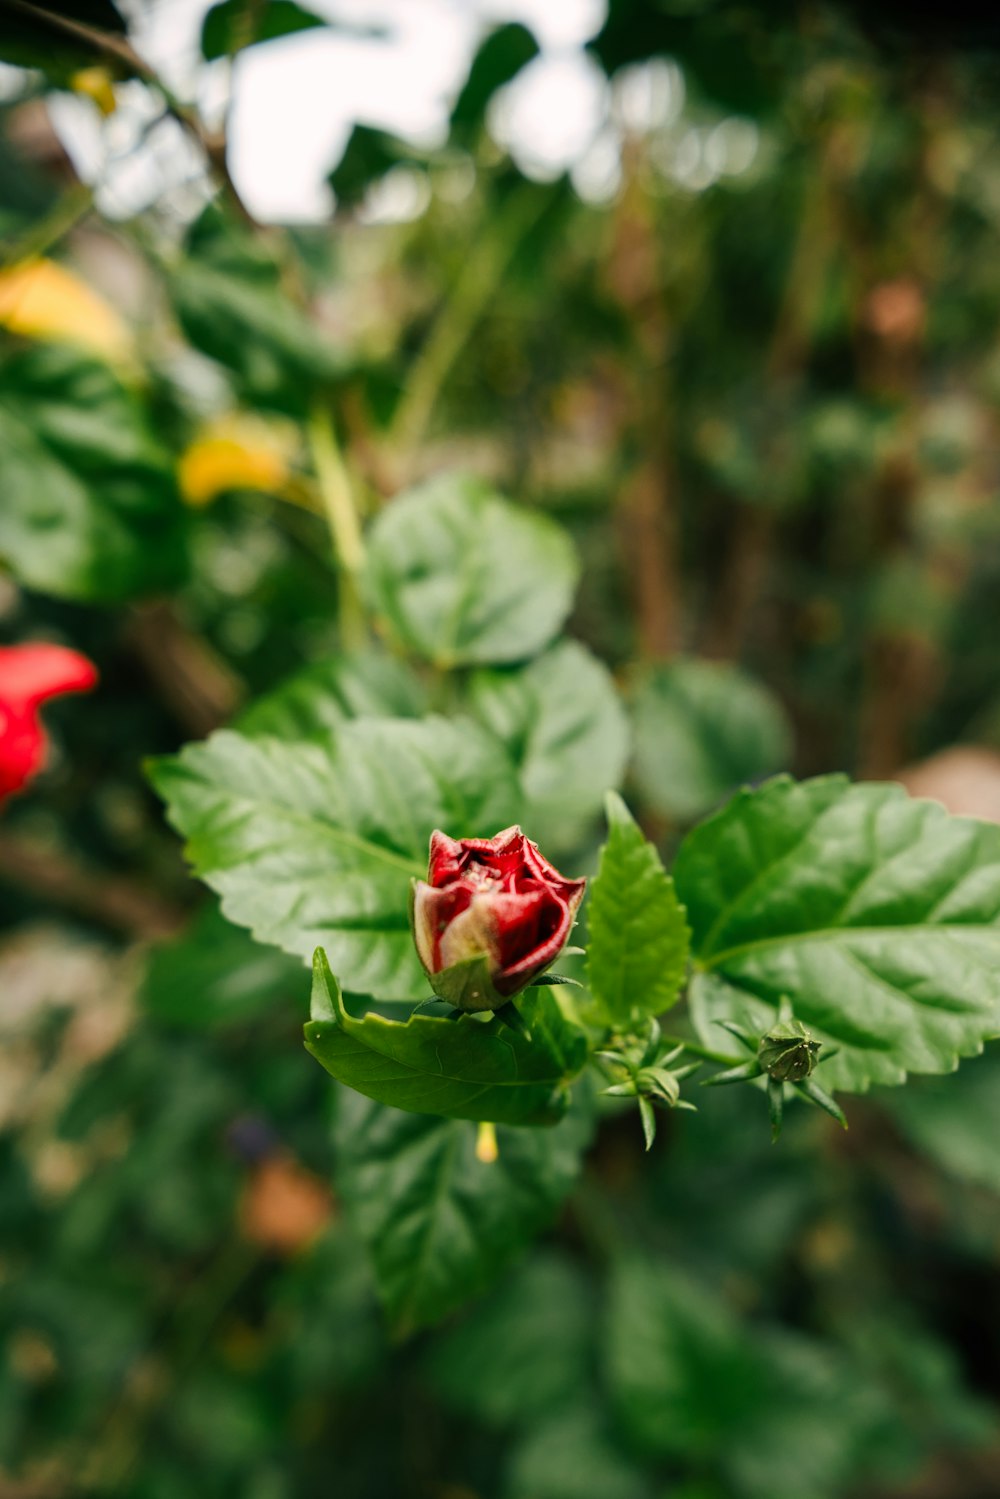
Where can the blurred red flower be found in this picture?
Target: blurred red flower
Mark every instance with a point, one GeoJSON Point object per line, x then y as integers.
{"type": "Point", "coordinates": [29, 676]}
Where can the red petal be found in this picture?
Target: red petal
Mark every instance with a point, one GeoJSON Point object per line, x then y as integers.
{"type": "Point", "coordinates": [29, 674]}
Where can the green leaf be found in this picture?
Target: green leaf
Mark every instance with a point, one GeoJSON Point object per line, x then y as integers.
{"type": "Point", "coordinates": [877, 915]}
{"type": "Point", "coordinates": [233, 24]}
{"type": "Point", "coordinates": [464, 578]}
{"type": "Point", "coordinates": [35, 38]}
{"type": "Point", "coordinates": [703, 728]}
{"type": "Point", "coordinates": [500, 58]}
{"type": "Point", "coordinates": [440, 1224]}
{"type": "Point", "coordinates": [772, 1414]}
{"type": "Point", "coordinates": [522, 1350]}
{"type": "Point", "coordinates": [459, 1068]}
{"type": "Point", "coordinates": [321, 697]}
{"type": "Point", "coordinates": [956, 1121]}
{"type": "Point", "coordinates": [89, 510]}
{"type": "Point", "coordinates": [229, 299]}
{"type": "Point", "coordinates": [565, 730]}
{"type": "Point", "coordinates": [216, 975]}
{"type": "Point", "coordinates": [368, 156]}
{"type": "Point", "coordinates": [639, 939]}
{"type": "Point", "coordinates": [316, 844]}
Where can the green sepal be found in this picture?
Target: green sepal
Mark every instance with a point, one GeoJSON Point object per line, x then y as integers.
{"type": "Point", "coordinates": [775, 1106]}
{"type": "Point", "coordinates": [648, 1117]}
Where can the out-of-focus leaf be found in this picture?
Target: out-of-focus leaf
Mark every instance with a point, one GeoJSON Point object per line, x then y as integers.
{"type": "Point", "coordinates": [233, 24]}
{"type": "Point", "coordinates": [442, 1225]}
{"type": "Point", "coordinates": [229, 299]}
{"type": "Point", "coordinates": [89, 509]}
{"type": "Point", "coordinates": [523, 1350]}
{"type": "Point", "coordinates": [571, 1455]}
{"type": "Point", "coordinates": [38, 40]}
{"type": "Point", "coordinates": [463, 577]}
{"type": "Point", "coordinates": [369, 155]}
{"type": "Point", "coordinates": [318, 699]}
{"type": "Point", "coordinates": [565, 730]}
{"type": "Point", "coordinates": [878, 916]}
{"type": "Point", "coordinates": [460, 1069]}
{"type": "Point", "coordinates": [639, 940]}
{"type": "Point", "coordinates": [956, 1120]}
{"type": "Point", "coordinates": [775, 1414]}
{"type": "Point", "coordinates": [500, 58]}
{"type": "Point", "coordinates": [315, 845]}
{"type": "Point", "coordinates": [216, 975]}
{"type": "Point", "coordinates": [701, 729]}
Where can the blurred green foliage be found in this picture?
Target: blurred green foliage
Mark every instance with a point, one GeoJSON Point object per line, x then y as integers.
{"type": "Point", "coordinates": [756, 379]}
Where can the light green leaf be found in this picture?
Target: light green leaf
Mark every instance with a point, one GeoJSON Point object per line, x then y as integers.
{"type": "Point", "coordinates": [89, 508]}
{"type": "Point", "coordinates": [639, 939]}
{"type": "Point", "coordinates": [877, 915]}
{"type": "Point", "coordinates": [462, 577]}
{"type": "Point", "coordinates": [313, 844]}
{"type": "Point", "coordinates": [703, 728]}
{"type": "Point", "coordinates": [321, 697]}
{"type": "Point", "coordinates": [216, 975]}
{"type": "Point", "coordinates": [440, 1224]}
{"type": "Point", "coordinates": [460, 1068]}
{"type": "Point", "coordinates": [565, 729]}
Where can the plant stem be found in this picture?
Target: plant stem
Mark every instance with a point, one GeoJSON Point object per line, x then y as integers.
{"type": "Point", "coordinates": [336, 494]}
{"type": "Point", "coordinates": [63, 216]}
{"type": "Point", "coordinates": [697, 1050]}
{"type": "Point", "coordinates": [468, 299]}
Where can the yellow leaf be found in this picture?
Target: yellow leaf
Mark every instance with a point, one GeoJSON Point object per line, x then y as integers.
{"type": "Point", "coordinates": [96, 84]}
{"type": "Point", "coordinates": [42, 299]}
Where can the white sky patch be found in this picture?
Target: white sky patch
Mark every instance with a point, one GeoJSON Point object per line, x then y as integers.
{"type": "Point", "coordinates": [296, 99]}
{"type": "Point", "coordinates": [550, 114]}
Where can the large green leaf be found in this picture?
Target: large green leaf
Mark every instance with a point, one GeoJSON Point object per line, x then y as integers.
{"type": "Point", "coordinates": [89, 509]}
{"type": "Point", "coordinates": [877, 915]}
{"type": "Point", "coordinates": [563, 724]}
{"type": "Point", "coordinates": [703, 728]}
{"type": "Point", "coordinates": [315, 844]}
{"type": "Point", "coordinates": [216, 975]}
{"type": "Point", "coordinates": [462, 577]}
{"type": "Point", "coordinates": [460, 1068]}
{"type": "Point", "coordinates": [770, 1414]}
{"type": "Point", "coordinates": [230, 300]}
{"type": "Point", "coordinates": [639, 940]}
{"type": "Point", "coordinates": [441, 1224]}
{"type": "Point", "coordinates": [321, 697]}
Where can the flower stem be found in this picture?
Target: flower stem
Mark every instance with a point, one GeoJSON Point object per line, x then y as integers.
{"type": "Point", "coordinates": [705, 1052]}
{"type": "Point", "coordinates": [341, 514]}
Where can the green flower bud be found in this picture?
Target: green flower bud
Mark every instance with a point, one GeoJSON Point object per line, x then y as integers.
{"type": "Point", "coordinates": [788, 1053]}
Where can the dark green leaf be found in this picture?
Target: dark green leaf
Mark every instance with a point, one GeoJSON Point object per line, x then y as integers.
{"type": "Point", "coordinates": [462, 577]}
{"type": "Point", "coordinates": [229, 299]}
{"type": "Point", "coordinates": [565, 729]}
{"type": "Point", "coordinates": [500, 58]}
{"type": "Point", "coordinates": [216, 975]}
{"type": "Point", "coordinates": [956, 1121]}
{"type": "Point", "coordinates": [639, 939]}
{"type": "Point", "coordinates": [440, 1224]}
{"type": "Point", "coordinates": [234, 24]}
{"type": "Point", "coordinates": [772, 1414]}
{"type": "Point", "coordinates": [368, 156]}
{"type": "Point", "coordinates": [877, 915]}
{"type": "Point", "coordinates": [315, 844]}
{"type": "Point", "coordinates": [460, 1068]}
{"type": "Point", "coordinates": [703, 728]}
{"type": "Point", "coordinates": [36, 39]}
{"type": "Point", "coordinates": [321, 697]}
{"type": "Point", "coordinates": [89, 510]}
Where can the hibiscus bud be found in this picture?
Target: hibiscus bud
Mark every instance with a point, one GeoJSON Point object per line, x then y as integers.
{"type": "Point", "coordinates": [490, 917]}
{"type": "Point", "coordinates": [788, 1053]}
{"type": "Point", "coordinates": [29, 675]}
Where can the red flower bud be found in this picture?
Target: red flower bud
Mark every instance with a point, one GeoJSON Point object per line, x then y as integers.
{"type": "Point", "coordinates": [29, 674]}
{"type": "Point", "coordinates": [490, 917]}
